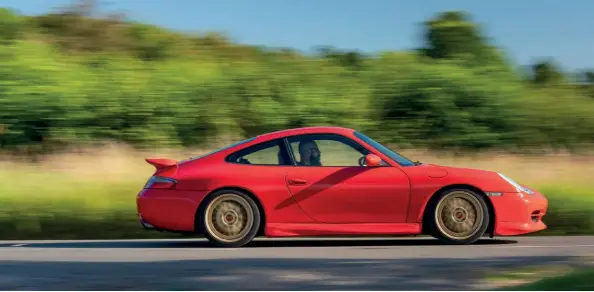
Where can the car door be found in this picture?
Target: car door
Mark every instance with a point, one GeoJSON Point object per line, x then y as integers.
{"type": "Point", "coordinates": [340, 190]}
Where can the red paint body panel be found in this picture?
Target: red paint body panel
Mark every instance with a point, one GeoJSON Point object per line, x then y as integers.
{"type": "Point", "coordinates": [351, 194]}
{"type": "Point", "coordinates": [427, 179]}
{"type": "Point", "coordinates": [296, 230]}
{"type": "Point", "coordinates": [169, 209]}
{"type": "Point", "coordinates": [309, 200]}
{"type": "Point", "coordinates": [516, 220]}
{"type": "Point", "coordinates": [268, 185]}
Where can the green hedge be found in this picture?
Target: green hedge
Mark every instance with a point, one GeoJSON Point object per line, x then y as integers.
{"type": "Point", "coordinates": [68, 80]}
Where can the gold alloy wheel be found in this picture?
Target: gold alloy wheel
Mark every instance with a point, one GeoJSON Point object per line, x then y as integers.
{"type": "Point", "coordinates": [229, 218]}
{"type": "Point", "coordinates": [459, 215]}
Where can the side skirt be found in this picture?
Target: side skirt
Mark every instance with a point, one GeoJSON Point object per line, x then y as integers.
{"type": "Point", "coordinates": [318, 229]}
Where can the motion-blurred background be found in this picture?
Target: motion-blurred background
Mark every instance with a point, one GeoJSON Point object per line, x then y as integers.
{"type": "Point", "coordinates": [87, 92]}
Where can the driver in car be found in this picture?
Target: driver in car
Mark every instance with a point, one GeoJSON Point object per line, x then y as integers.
{"type": "Point", "coordinates": [310, 153]}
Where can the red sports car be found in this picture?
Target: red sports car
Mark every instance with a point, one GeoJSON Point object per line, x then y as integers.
{"type": "Point", "coordinates": [322, 181]}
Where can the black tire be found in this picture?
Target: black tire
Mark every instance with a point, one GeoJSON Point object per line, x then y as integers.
{"type": "Point", "coordinates": [212, 229]}
{"type": "Point", "coordinates": [472, 209]}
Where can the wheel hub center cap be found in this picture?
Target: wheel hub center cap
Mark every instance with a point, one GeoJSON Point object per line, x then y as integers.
{"type": "Point", "coordinates": [229, 217]}
{"type": "Point", "coordinates": [460, 215]}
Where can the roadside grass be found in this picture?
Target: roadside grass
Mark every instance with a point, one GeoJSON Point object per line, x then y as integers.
{"type": "Point", "coordinates": [571, 209]}
{"type": "Point", "coordinates": [91, 195]}
{"type": "Point", "coordinates": [574, 281]}
{"type": "Point", "coordinates": [74, 196]}
{"type": "Point", "coordinates": [542, 278]}
{"type": "Point", "coordinates": [56, 205]}
{"type": "Point", "coordinates": [524, 275]}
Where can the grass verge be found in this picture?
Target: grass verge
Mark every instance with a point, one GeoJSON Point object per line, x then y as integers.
{"type": "Point", "coordinates": [576, 281]}
{"type": "Point", "coordinates": [545, 279]}
{"type": "Point", "coordinates": [93, 196]}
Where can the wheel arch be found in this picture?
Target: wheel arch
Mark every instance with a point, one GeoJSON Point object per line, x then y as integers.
{"type": "Point", "coordinates": [433, 197]}
{"type": "Point", "coordinates": [249, 193]}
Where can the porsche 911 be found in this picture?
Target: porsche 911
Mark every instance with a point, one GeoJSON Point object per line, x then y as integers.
{"type": "Point", "coordinates": [330, 181]}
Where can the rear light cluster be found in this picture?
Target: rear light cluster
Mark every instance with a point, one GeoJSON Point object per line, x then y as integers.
{"type": "Point", "coordinates": [159, 182]}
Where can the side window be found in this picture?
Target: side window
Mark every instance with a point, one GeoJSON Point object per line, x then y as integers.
{"type": "Point", "coordinates": [326, 150]}
{"type": "Point", "coordinates": [267, 153]}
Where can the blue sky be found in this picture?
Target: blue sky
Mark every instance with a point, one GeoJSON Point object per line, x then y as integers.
{"type": "Point", "coordinates": [527, 29]}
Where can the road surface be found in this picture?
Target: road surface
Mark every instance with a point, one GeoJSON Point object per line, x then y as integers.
{"type": "Point", "coordinates": [295, 264]}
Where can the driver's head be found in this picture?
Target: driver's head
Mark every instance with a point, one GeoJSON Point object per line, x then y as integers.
{"type": "Point", "coordinates": [309, 152]}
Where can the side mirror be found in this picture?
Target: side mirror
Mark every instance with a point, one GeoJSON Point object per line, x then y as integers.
{"type": "Point", "coordinates": [372, 160]}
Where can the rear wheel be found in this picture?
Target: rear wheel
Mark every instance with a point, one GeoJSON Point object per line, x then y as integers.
{"type": "Point", "coordinates": [458, 216]}
{"type": "Point", "coordinates": [230, 219]}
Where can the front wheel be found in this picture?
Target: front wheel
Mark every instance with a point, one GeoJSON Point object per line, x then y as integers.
{"type": "Point", "coordinates": [230, 219]}
{"type": "Point", "coordinates": [459, 216]}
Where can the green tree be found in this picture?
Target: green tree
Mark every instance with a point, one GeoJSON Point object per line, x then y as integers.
{"type": "Point", "coordinates": [74, 77]}
{"type": "Point", "coordinates": [11, 25]}
{"type": "Point", "coordinates": [452, 34]}
{"type": "Point", "coordinates": [546, 73]}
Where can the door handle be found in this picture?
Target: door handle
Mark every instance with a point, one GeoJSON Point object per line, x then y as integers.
{"type": "Point", "coordinates": [297, 181]}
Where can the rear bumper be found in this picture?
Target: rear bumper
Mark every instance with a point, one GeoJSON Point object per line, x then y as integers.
{"type": "Point", "coordinates": [519, 213]}
{"type": "Point", "coordinates": [168, 210]}
{"type": "Point", "coordinates": [145, 224]}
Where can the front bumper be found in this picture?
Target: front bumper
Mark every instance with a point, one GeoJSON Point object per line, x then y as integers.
{"type": "Point", "coordinates": [519, 213]}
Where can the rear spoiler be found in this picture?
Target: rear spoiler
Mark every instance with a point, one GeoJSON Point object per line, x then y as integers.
{"type": "Point", "coordinates": [160, 163]}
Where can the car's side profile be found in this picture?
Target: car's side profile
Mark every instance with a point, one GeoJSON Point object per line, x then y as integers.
{"type": "Point", "coordinates": [321, 181]}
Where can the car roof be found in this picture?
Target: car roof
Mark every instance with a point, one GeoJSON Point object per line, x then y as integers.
{"type": "Point", "coordinates": [304, 130]}
{"type": "Point", "coordinates": [237, 146]}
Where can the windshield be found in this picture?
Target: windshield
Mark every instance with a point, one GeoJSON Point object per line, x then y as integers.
{"type": "Point", "coordinates": [385, 150]}
{"type": "Point", "coordinates": [218, 150]}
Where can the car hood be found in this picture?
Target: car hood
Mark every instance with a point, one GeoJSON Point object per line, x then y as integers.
{"type": "Point", "coordinates": [438, 171]}
{"type": "Point", "coordinates": [485, 180]}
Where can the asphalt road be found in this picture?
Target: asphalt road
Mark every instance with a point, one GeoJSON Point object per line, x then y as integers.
{"type": "Point", "coordinates": [295, 264]}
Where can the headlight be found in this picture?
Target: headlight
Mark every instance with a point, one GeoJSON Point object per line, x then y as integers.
{"type": "Point", "coordinates": [516, 185]}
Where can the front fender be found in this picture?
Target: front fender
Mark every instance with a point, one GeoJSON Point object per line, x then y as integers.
{"type": "Point", "coordinates": [425, 185]}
